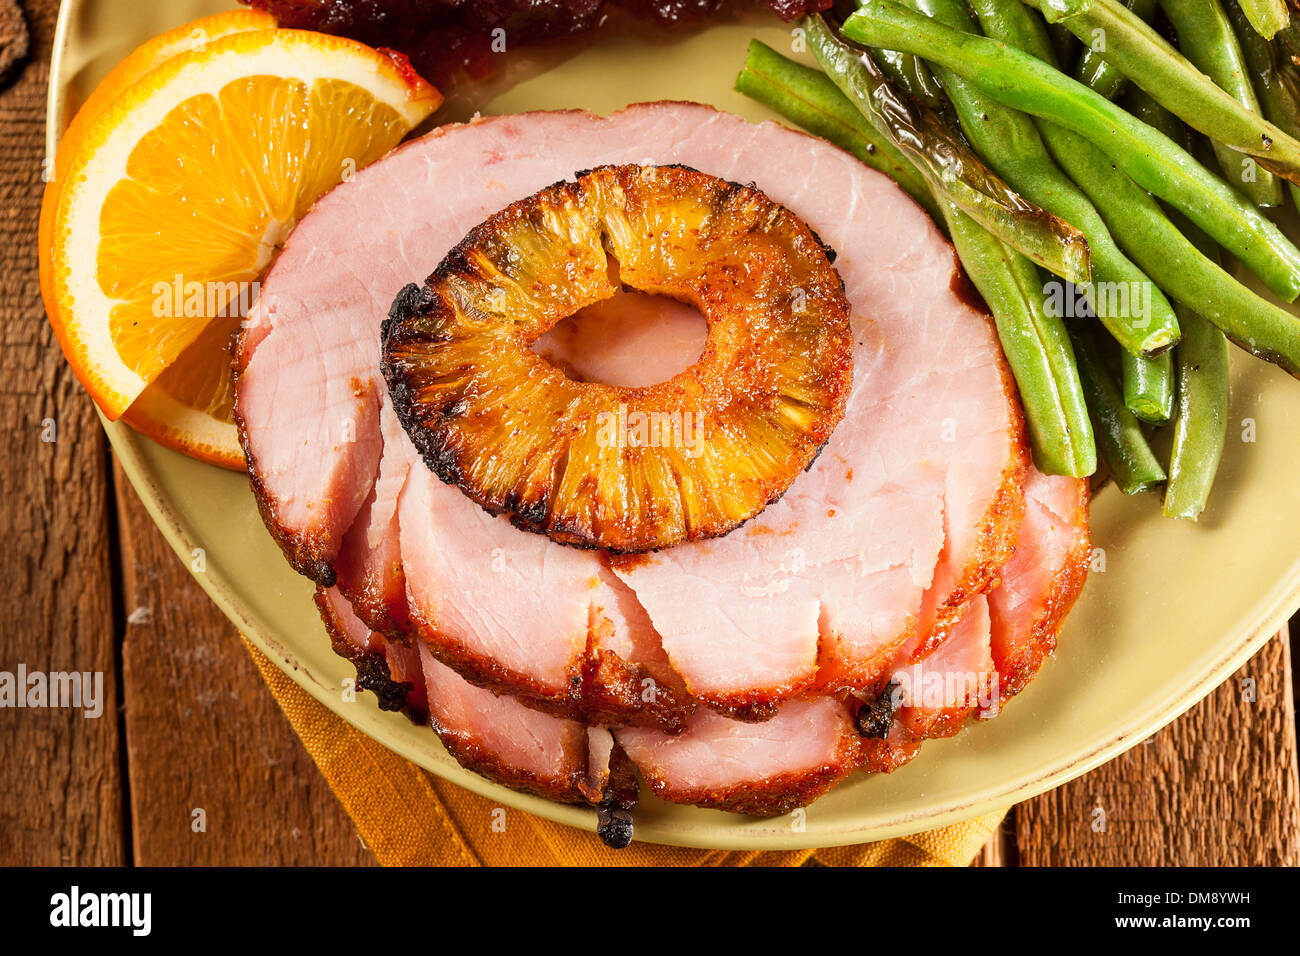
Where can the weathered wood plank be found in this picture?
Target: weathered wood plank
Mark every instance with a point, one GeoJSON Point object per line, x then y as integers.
{"type": "Point", "coordinates": [207, 743]}
{"type": "Point", "coordinates": [1216, 787]}
{"type": "Point", "coordinates": [60, 773]}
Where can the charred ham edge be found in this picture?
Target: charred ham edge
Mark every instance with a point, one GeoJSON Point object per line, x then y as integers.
{"type": "Point", "coordinates": [874, 715]}
{"type": "Point", "coordinates": [367, 651]}
{"type": "Point", "coordinates": [597, 773]}
{"type": "Point", "coordinates": [611, 786]}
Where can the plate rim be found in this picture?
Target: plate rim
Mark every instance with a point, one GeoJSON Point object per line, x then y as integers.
{"type": "Point", "coordinates": [126, 445]}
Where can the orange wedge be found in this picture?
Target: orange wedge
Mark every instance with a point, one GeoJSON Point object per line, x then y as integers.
{"type": "Point", "coordinates": [170, 201]}
{"type": "Point", "coordinates": [142, 60]}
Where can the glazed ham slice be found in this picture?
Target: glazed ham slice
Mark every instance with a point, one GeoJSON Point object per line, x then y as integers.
{"type": "Point", "coordinates": [369, 570]}
{"type": "Point", "coordinates": [818, 592]}
{"type": "Point", "coordinates": [1042, 580]}
{"type": "Point", "coordinates": [390, 670]}
{"type": "Point", "coordinates": [940, 689]}
{"type": "Point", "coordinates": [762, 768]}
{"type": "Point", "coordinates": [497, 737]}
{"type": "Point", "coordinates": [990, 656]}
{"type": "Point", "coordinates": [504, 740]}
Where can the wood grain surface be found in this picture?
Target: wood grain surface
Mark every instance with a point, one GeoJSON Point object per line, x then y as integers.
{"type": "Point", "coordinates": [90, 585]}
{"type": "Point", "coordinates": [1216, 788]}
{"type": "Point", "coordinates": [61, 780]}
{"type": "Point", "coordinates": [217, 774]}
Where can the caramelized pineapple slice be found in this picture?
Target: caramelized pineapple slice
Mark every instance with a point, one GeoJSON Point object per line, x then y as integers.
{"type": "Point", "coordinates": [625, 469]}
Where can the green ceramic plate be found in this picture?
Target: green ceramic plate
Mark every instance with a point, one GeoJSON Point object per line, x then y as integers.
{"type": "Point", "coordinates": [1170, 611]}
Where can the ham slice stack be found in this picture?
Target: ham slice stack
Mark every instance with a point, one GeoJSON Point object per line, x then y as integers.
{"type": "Point", "coordinates": [916, 574]}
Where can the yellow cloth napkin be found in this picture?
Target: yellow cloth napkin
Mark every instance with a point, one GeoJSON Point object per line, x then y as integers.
{"type": "Point", "coordinates": [409, 817]}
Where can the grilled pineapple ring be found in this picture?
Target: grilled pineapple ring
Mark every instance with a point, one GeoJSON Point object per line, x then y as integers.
{"type": "Point", "coordinates": [626, 469]}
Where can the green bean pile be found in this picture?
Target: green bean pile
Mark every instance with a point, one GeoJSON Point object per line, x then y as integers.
{"type": "Point", "coordinates": [1087, 159]}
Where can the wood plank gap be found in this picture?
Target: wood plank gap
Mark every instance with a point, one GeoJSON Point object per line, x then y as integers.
{"type": "Point", "coordinates": [117, 594]}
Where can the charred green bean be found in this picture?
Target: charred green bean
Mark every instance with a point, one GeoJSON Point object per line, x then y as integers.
{"type": "Point", "coordinates": [808, 97]}
{"type": "Point", "coordinates": [950, 168]}
{"type": "Point", "coordinates": [1024, 82]}
{"type": "Point", "coordinates": [1010, 142]}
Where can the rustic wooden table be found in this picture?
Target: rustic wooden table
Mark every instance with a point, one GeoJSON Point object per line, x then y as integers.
{"type": "Point", "coordinates": [90, 585]}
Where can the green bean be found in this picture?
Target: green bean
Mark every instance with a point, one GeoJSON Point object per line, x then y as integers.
{"type": "Point", "coordinates": [1023, 82]}
{"type": "Point", "coordinates": [806, 96]}
{"type": "Point", "coordinates": [1265, 17]}
{"type": "Point", "coordinates": [1151, 62]}
{"type": "Point", "coordinates": [1148, 386]}
{"type": "Point", "coordinates": [1148, 383]}
{"type": "Point", "coordinates": [1202, 423]}
{"type": "Point", "coordinates": [1200, 430]}
{"type": "Point", "coordinates": [1120, 441]}
{"type": "Point", "coordinates": [1273, 76]}
{"type": "Point", "coordinates": [1140, 103]}
{"type": "Point", "coordinates": [1035, 343]}
{"type": "Point", "coordinates": [1161, 250]}
{"type": "Point", "coordinates": [1201, 361]}
{"type": "Point", "coordinates": [1205, 37]}
{"type": "Point", "coordinates": [951, 169]}
{"type": "Point", "coordinates": [1093, 71]}
{"type": "Point", "coordinates": [1010, 142]}
{"type": "Point", "coordinates": [1037, 348]}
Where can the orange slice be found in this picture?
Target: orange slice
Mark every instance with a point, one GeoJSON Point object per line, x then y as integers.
{"type": "Point", "coordinates": [176, 198]}
{"type": "Point", "coordinates": [142, 60]}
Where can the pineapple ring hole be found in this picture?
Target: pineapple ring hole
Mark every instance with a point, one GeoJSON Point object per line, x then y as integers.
{"type": "Point", "coordinates": [630, 340]}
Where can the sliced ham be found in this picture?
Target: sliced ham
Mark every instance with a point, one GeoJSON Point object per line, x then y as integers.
{"type": "Point", "coordinates": [957, 677]}
{"type": "Point", "coordinates": [818, 592]}
{"type": "Point", "coordinates": [1042, 579]}
{"type": "Point", "coordinates": [991, 654]}
{"type": "Point", "coordinates": [497, 737]}
{"type": "Point", "coordinates": [369, 570]}
{"type": "Point", "coordinates": [390, 670]}
{"type": "Point", "coordinates": [762, 768]}
{"type": "Point", "coordinates": [808, 746]}
{"type": "Point", "coordinates": [504, 740]}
